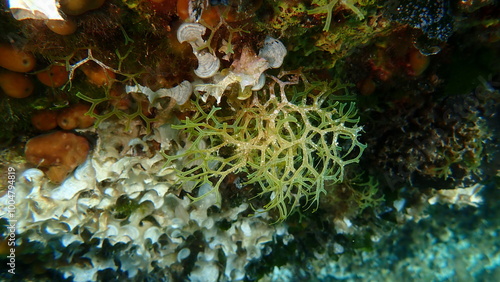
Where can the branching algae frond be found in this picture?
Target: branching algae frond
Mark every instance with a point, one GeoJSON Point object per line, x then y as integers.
{"type": "Point", "coordinates": [326, 6]}
{"type": "Point", "coordinates": [288, 141]}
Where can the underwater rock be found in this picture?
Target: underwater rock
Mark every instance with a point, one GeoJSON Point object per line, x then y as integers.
{"type": "Point", "coordinates": [431, 144]}
{"type": "Point", "coordinates": [124, 214]}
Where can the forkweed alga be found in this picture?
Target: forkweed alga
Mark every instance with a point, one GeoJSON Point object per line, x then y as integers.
{"type": "Point", "coordinates": [288, 140]}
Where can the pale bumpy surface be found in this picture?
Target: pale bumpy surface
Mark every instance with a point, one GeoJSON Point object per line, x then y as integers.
{"type": "Point", "coordinates": [154, 231]}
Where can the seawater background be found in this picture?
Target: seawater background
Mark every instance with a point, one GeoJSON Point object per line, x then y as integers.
{"type": "Point", "coordinates": [451, 244]}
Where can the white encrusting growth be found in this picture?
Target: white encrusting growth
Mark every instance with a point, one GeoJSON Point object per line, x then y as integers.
{"type": "Point", "coordinates": [122, 165]}
{"type": "Point", "coordinates": [179, 93]}
{"type": "Point", "coordinates": [208, 63]}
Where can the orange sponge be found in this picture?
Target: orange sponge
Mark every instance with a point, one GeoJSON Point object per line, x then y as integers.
{"type": "Point", "coordinates": [58, 153]}
{"type": "Point", "coordinates": [16, 60]}
{"type": "Point", "coordinates": [97, 75]}
{"type": "Point", "coordinates": [45, 120]}
{"type": "Point", "coordinates": [65, 27]}
{"type": "Point", "coordinates": [55, 76]}
{"type": "Point", "coordinates": [16, 84]}
{"type": "Point", "coordinates": [75, 117]}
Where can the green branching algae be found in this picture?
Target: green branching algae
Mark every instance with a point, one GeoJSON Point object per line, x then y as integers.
{"type": "Point", "coordinates": [326, 6]}
{"type": "Point", "coordinates": [116, 112]}
{"type": "Point", "coordinates": [287, 141]}
{"type": "Point", "coordinates": [367, 194]}
{"type": "Point", "coordinates": [113, 111]}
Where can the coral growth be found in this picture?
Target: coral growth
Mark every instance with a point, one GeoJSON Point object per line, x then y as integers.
{"type": "Point", "coordinates": [136, 221]}
{"type": "Point", "coordinates": [287, 141]}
